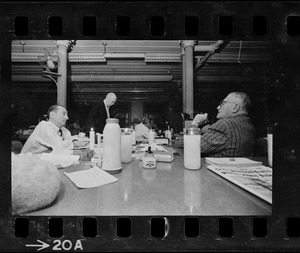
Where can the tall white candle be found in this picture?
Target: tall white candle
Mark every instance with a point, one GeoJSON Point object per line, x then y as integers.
{"type": "Point", "coordinates": [92, 139]}
{"type": "Point", "coordinates": [126, 148]}
{"type": "Point", "coordinates": [133, 137]}
{"type": "Point", "coordinates": [151, 136]}
{"type": "Point", "coordinates": [192, 152]}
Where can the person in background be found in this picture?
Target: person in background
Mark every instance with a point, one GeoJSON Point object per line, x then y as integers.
{"type": "Point", "coordinates": [99, 113]}
{"type": "Point", "coordinates": [233, 135]}
{"type": "Point", "coordinates": [51, 135]}
{"type": "Point", "coordinates": [135, 122]}
{"type": "Point", "coordinates": [74, 127]}
{"type": "Point", "coordinates": [153, 125]}
{"type": "Point", "coordinates": [141, 130]}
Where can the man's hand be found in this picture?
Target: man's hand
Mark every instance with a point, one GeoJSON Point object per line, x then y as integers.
{"type": "Point", "coordinates": [200, 119]}
{"type": "Point", "coordinates": [80, 143]}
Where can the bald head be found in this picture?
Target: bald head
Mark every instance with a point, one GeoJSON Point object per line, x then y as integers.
{"type": "Point", "coordinates": [110, 99]}
{"type": "Point", "coordinates": [234, 104]}
{"type": "Point", "coordinates": [243, 99]}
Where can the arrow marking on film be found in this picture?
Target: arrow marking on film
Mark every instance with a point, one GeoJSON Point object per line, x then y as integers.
{"type": "Point", "coordinates": [43, 245]}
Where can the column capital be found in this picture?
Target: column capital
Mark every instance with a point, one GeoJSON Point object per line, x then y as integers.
{"type": "Point", "coordinates": [187, 43]}
{"type": "Point", "coordinates": [69, 44]}
{"type": "Point", "coordinates": [63, 43]}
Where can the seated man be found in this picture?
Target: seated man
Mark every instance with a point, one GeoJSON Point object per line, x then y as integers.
{"type": "Point", "coordinates": [142, 129]}
{"type": "Point", "coordinates": [52, 135]}
{"type": "Point", "coordinates": [233, 134]}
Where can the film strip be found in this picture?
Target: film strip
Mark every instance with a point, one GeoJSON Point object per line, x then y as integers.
{"type": "Point", "coordinates": [275, 22]}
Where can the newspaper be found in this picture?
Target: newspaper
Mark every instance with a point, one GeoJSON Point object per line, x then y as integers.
{"type": "Point", "coordinates": [232, 161]}
{"type": "Point", "coordinates": [257, 180]}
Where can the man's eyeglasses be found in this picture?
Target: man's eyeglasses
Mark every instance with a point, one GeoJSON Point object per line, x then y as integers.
{"type": "Point", "coordinates": [223, 102]}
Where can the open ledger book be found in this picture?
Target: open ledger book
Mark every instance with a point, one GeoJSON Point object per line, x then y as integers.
{"type": "Point", "coordinates": [257, 179]}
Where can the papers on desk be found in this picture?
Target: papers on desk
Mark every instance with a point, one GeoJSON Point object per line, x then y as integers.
{"type": "Point", "coordinates": [90, 178]}
{"type": "Point", "coordinates": [154, 147]}
{"type": "Point", "coordinates": [257, 180]}
{"type": "Point", "coordinates": [60, 160]}
{"type": "Point", "coordinates": [161, 153]}
{"type": "Point", "coordinates": [232, 161]}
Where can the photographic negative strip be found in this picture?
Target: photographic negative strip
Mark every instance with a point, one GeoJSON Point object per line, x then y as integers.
{"type": "Point", "coordinates": [160, 59]}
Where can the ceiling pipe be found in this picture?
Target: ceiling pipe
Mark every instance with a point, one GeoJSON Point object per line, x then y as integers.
{"type": "Point", "coordinates": [212, 50]}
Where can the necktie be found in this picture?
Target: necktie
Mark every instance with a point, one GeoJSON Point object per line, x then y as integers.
{"type": "Point", "coordinates": [60, 133]}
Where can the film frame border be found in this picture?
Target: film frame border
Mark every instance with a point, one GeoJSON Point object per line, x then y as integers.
{"type": "Point", "coordinates": [276, 14]}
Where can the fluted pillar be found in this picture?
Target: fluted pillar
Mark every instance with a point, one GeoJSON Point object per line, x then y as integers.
{"type": "Point", "coordinates": [183, 80]}
{"type": "Point", "coordinates": [62, 70]}
{"type": "Point", "coordinates": [188, 72]}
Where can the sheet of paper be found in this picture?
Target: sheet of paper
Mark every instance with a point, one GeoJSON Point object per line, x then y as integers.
{"type": "Point", "coordinates": [60, 160]}
{"type": "Point", "coordinates": [232, 161]}
{"type": "Point", "coordinates": [90, 178]}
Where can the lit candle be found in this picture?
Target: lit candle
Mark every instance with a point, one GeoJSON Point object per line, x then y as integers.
{"type": "Point", "coordinates": [92, 139]}
{"type": "Point", "coordinates": [133, 137]}
{"type": "Point", "coordinates": [126, 146]}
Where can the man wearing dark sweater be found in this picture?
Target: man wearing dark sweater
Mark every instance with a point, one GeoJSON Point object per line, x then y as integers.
{"type": "Point", "coordinates": [99, 113]}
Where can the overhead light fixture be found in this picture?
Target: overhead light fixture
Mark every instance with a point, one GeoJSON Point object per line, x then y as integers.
{"type": "Point", "coordinates": [23, 44]}
{"type": "Point", "coordinates": [162, 58]}
{"type": "Point", "coordinates": [86, 57]}
{"type": "Point", "coordinates": [98, 78]}
{"type": "Point", "coordinates": [24, 57]}
{"type": "Point", "coordinates": [104, 48]}
{"type": "Point", "coordinates": [121, 90]}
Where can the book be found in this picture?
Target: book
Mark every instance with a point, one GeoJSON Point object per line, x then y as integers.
{"type": "Point", "coordinates": [232, 161]}
{"type": "Point", "coordinates": [257, 180]}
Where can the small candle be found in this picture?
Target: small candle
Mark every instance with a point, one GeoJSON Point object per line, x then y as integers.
{"type": "Point", "coordinates": [151, 136]}
{"type": "Point", "coordinates": [126, 147]}
{"type": "Point", "coordinates": [92, 139]}
{"type": "Point", "coordinates": [133, 137]}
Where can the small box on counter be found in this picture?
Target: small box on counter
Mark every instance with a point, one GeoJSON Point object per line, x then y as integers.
{"type": "Point", "coordinates": [159, 155]}
{"type": "Point", "coordinates": [163, 156]}
{"type": "Point", "coordinates": [161, 141]}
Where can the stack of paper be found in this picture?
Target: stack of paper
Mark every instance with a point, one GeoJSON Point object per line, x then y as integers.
{"type": "Point", "coordinates": [232, 161]}
{"type": "Point", "coordinates": [90, 178]}
{"type": "Point", "coordinates": [257, 179]}
{"type": "Point", "coordinates": [154, 147]}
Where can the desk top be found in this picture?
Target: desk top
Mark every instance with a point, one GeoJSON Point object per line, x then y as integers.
{"type": "Point", "coordinates": [170, 189]}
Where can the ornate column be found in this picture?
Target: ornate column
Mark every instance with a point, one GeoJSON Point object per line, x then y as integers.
{"type": "Point", "coordinates": [62, 70]}
{"type": "Point", "coordinates": [183, 79]}
{"type": "Point", "coordinates": [188, 72]}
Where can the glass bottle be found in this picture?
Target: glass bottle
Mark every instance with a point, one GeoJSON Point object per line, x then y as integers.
{"type": "Point", "coordinates": [149, 161]}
